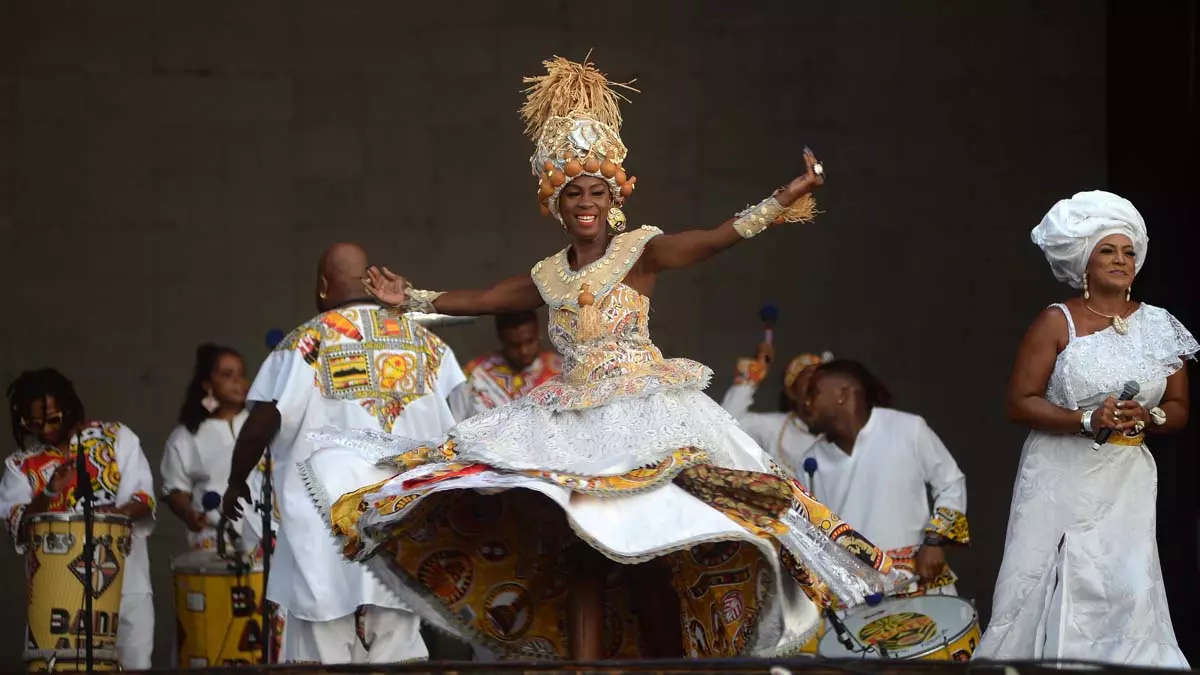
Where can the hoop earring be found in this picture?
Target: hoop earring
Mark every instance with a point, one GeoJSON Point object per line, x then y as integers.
{"type": "Point", "coordinates": [1086, 294]}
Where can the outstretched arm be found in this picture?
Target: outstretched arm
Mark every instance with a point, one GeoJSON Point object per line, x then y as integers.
{"type": "Point", "coordinates": [674, 251]}
{"type": "Point", "coordinates": [514, 294]}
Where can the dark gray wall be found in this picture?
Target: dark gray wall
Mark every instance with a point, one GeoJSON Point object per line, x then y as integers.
{"type": "Point", "coordinates": [169, 173]}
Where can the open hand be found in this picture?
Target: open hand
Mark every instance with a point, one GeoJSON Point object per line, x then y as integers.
{"type": "Point", "coordinates": [387, 286]}
{"type": "Point", "coordinates": [813, 178]}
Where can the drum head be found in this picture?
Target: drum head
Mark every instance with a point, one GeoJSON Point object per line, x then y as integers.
{"type": "Point", "coordinates": [909, 628]}
{"type": "Point", "coordinates": [208, 563]}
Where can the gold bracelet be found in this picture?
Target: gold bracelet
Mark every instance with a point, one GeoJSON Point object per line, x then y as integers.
{"type": "Point", "coordinates": [757, 218]}
{"type": "Point", "coordinates": [419, 301]}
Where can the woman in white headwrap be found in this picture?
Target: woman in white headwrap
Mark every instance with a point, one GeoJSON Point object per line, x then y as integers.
{"type": "Point", "coordinates": [1081, 578]}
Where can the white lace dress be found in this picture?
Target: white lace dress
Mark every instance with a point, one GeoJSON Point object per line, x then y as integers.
{"type": "Point", "coordinates": [1080, 578]}
{"type": "Point", "coordinates": [622, 451]}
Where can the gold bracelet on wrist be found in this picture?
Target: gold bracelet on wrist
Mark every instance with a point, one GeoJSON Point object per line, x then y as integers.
{"type": "Point", "coordinates": [419, 301]}
{"type": "Point", "coordinates": [752, 221]}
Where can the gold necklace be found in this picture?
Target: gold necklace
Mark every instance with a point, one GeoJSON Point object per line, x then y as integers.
{"type": "Point", "coordinates": [1119, 323]}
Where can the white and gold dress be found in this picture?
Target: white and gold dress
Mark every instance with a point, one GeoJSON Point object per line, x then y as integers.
{"type": "Point", "coordinates": [622, 451]}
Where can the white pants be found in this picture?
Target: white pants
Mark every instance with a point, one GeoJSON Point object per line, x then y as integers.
{"type": "Point", "coordinates": [135, 632]}
{"type": "Point", "coordinates": [387, 636]}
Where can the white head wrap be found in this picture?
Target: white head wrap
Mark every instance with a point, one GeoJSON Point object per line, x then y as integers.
{"type": "Point", "coordinates": [1071, 230]}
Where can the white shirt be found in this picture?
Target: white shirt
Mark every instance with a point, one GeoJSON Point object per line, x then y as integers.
{"type": "Point", "coordinates": [881, 486]}
{"type": "Point", "coordinates": [198, 464]}
{"type": "Point", "coordinates": [122, 475]}
{"type": "Point", "coordinates": [354, 367]}
{"type": "Point", "coordinates": [782, 435]}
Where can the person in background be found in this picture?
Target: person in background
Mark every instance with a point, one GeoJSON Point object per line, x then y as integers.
{"type": "Point", "coordinates": [510, 373]}
{"type": "Point", "coordinates": [877, 467]}
{"type": "Point", "coordinates": [354, 364]}
{"type": "Point", "coordinates": [199, 451]}
{"type": "Point", "coordinates": [1080, 577]}
{"type": "Point", "coordinates": [784, 434]}
{"type": "Point", "coordinates": [51, 428]}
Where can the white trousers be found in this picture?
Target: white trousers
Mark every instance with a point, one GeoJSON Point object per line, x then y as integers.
{"type": "Point", "coordinates": [135, 632]}
{"type": "Point", "coordinates": [370, 635]}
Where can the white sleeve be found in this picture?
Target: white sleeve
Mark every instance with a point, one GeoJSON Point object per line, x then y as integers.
{"type": "Point", "coordinates": [15, 494]}
{"type": "Point", "coordinates": [764, 428]}
{"type": "Point", "coordinates": [947, 484]}
{"type": "Point", "coordinates": [271, 382]}
{"type": "Point", "coordinates": [450, 374]}
{"type": "Point", "coordinates": [137, 481]}
{"type": "Point", "coordinates": [181, 459]}
{"type": "Point", "coordinates": [463, 402]}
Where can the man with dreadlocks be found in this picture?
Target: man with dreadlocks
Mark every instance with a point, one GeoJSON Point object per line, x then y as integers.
{"type": "Point", "coordinates": [874, 464]}
{"type": "Point", "coordinates": [50, 427]}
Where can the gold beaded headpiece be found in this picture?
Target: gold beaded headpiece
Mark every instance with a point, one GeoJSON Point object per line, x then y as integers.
{"type": "Point", "coordinates": [573, 116]}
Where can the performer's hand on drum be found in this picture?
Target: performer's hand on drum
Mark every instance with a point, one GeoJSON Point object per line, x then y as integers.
{"type": "Point", "coordinates": [931, 560]}
{"type": "Point", "coordinates": [230, 505]}
{"type": "Point", "coordinates": [60, 479]}
{"type": "Point", "coordinates": [390, 288]}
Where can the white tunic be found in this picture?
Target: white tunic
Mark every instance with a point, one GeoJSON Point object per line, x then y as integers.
{"type": "Point", "coordinates": [1081, 577]}
{"type": "Point", "coordinates": [198, 464]}
{"type": "Point", "coordinates": [881, 486]}
{"type": "Point", "coordinates": [781, 434]}
{"type": "Point", "coordinates": [357, 366]}
{"type": "Point", "coordinates": [113, 452]}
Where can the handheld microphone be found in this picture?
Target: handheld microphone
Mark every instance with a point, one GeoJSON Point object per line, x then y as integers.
{"type": "Point", "coordinates": [769, 315]}
{"type": "Point", "coordinates": [1130, 390]}
{"type": "Point", "coordinates": [810, 468]}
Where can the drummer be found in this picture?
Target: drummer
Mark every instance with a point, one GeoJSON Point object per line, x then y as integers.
{"type": "Point", "coordinates": [355, 364]}
{"type": "Point", "coordinates": [49, 426]}
{"type": "Point", "coordinates": [877, 467]}
{"type": "Point", "coordinates": [198, 452]}
{"type": "Point", "coordinates": [506, 375]}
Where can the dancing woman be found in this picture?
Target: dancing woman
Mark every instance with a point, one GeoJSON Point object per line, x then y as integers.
{"type": "Point", "coordinates": [1081, 577]}
{"type": "Point", "coordinates": [646, 522]}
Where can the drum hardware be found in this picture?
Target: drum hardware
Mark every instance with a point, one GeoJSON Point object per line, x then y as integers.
{"type": "Point", "coordinates": [85, 496]}
{"type": "Point", "coordinates": [266, 510]}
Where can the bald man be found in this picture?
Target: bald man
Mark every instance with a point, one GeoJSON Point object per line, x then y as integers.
{"type": "Point", "coordinates": [355, 365]}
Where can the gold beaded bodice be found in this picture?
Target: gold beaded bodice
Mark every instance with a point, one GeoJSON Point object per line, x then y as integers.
{"type": "Point", "coordinates": [609, 353]}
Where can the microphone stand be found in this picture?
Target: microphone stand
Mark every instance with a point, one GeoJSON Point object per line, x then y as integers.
{"type": "Point", "coordinates": [84, 495]}
{"type": "Point", "coordinates": [265, 508]}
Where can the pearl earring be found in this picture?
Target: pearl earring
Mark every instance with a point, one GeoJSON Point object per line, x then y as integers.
{"type": "Point", "coordinates": [1086, 294]}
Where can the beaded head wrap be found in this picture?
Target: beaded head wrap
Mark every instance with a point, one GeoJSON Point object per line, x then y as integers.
{"type": "Point", "coordinates": [572, 115]}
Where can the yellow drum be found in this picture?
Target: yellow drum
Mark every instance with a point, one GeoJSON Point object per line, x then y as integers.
{"type": "Point", "coordinates": [55, 638]}
{"type": "Point", "coordinates": [219, 609]}
{"type": "Point", "coordinates": [931, 628]}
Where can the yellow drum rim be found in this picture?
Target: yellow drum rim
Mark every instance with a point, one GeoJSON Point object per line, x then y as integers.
{"type": "Point", "coordinates": [78, 518]}
{"type": "Point", "coordinates": [72, 655]}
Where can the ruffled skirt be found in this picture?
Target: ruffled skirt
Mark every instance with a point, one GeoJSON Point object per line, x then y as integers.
{"type": "Point", "coordinates": [472, 530]}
